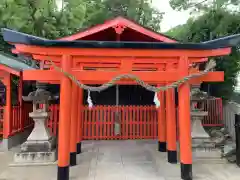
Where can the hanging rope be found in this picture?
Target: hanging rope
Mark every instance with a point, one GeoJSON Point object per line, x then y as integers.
{"type": "Point", "coordinates": [111, 83]}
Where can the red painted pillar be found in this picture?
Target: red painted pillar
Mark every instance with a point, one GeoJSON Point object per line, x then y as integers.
{"type": "Point", "coordinates": [64, 121]}
{"type": "Point", "coordinates": [161, 123]}
{"type": "Point", "coordinates": [7, 122]}
{"type": "Point", "coordinates": [74, 119]}
{"type": "Point", "coordinates": [185, 123]}
{"type": "Point", "coordinates": [80, 121]}
{"type": "Point", "coordinates": [171, 126]}
{"type": "Point", "coordinates": [20, 93]}
{"type": "Point", "coordinates": [20, 89]}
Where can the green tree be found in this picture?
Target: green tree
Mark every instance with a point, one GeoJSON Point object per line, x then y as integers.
{"type": "Point", "coordinates": [140, 11]}
{"type": "Point", "coordinates": [211, 25]}
{"type": "Point", "coordinates": [177, 31]}
{"type": "Point", "coordinates": [203, 5]}
{"type": "Point", "coordinates": [41, 18]}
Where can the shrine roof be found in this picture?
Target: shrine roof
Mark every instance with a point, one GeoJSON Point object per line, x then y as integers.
{"type": "Point", "coordinates": [132, 31]}
{"type": "Point", "coordinates": [13, 63]}
{"type": "Point", "coordinates": [22, 38]}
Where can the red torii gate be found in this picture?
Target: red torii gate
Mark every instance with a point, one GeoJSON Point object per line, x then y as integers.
{"type": "Point", "coordinates": [131, 57]}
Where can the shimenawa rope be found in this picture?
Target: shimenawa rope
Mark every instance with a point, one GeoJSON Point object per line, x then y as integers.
{"type": "Point", "coordinates": [211, 64]}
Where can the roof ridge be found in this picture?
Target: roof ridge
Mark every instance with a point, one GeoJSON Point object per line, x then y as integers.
{"type": "Point", "coordinates": [128, 23]}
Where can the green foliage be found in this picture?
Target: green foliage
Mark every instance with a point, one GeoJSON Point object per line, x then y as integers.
{"type": "Point", "coordinates": [41, 18]}
{"type": "Point", "coordinates": [202, 5]}
{"type": "Point", "coordinates": [140, 11]}
{"type": "Point", "coordinates": [176, 31]}
{"type": "Point", "coordinates": [211, 25]}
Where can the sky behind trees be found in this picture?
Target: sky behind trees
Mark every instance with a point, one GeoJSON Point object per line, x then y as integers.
{"type": "Point", "coordinates": [171, 18]}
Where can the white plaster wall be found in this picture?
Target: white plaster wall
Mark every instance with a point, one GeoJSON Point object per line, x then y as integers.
{"type": "Point", "coordinates": [229, 111]}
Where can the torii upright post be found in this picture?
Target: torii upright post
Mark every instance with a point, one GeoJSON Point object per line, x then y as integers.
{"type": "Point", "coordinates": [161, 123]}
{"type": "Point", "coordinates": [171, 122]}
{"type": "Point", "coordinates": [64, 121]}
{"type": "Point", "coordinates": [7, 123]}
{"type": "Point", "coordinates": [171, 126]}
{"type": "Point", "coordinates": [74, 125]}
{"type": "Point", "coordinates": [185, 123]}
{"type": "Point", "coordinates": [20, 93]}
{"type": "Point", "coordinates": [79, 122]}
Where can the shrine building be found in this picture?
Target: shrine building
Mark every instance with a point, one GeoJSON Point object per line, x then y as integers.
{"type": "Point", "coordinates": [126, 110]}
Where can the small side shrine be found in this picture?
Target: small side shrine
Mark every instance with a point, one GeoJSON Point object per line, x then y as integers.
{"type": "Point", "coordinates": [40, 145]}
{"type": "Point", "coordinates": [14, 127]}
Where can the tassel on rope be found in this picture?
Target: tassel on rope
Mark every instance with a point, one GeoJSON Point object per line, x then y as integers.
{"type": "Point", "coordinates": [156, 100]}
{"type": "Point", "coordinates": [89, 100]}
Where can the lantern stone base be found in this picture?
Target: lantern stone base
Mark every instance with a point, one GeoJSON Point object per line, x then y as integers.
{"type": "Point", "coordinates": [38, 146]}
{"type": "Point", "coordinates": [31, 158]}
{"type": "Point", "coordinates": [206, 154]}
{"type": "Point", "coordinates": [40, 152]}
{"type": "Point", "coordinates": [203, 147]}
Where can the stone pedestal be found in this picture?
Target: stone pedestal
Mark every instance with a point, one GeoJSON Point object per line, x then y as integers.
{"type": "Point", "coordinates": [40, 138]}
{"type": "Point", "coordinates": [197, 128]}
{"type": "Point", "coordinates": [34, 158]}
{"type": "Point", "coordinates": [40, 145]}
{"type": "Point", "coordinates": [202, 146]}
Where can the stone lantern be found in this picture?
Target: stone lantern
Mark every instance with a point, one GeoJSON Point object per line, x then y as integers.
{"type": "Point", "coordinates": [203, 146]}
{"type": "Point", "coordinates": [198, 113]}
{"type": "Point", "coordinates": [40, 145]}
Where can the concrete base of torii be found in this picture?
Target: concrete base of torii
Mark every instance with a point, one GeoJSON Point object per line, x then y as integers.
{"type": "Point", "coordinates": [40, 145]}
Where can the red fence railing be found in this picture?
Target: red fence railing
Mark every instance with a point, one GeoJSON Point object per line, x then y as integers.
{"type": "Point", "coordinates": [52, 123]}
{"type": "Point", "coordinates": [16, 119]}
{"type": "Point", "coordinates": [215, 112]}
{"type": "Point", "coordinates": [21, 119]}
{"type": "Point", "coordinates": [136, 122]}
{"type": "Point", "coordinates": [27, 121]}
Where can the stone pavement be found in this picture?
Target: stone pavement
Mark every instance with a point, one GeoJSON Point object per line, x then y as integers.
{"type": "Point", "coordinates": [120, 160]}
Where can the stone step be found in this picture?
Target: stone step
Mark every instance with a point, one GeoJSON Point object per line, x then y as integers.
{"type": "Point", "coordinates": [209, 161]}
